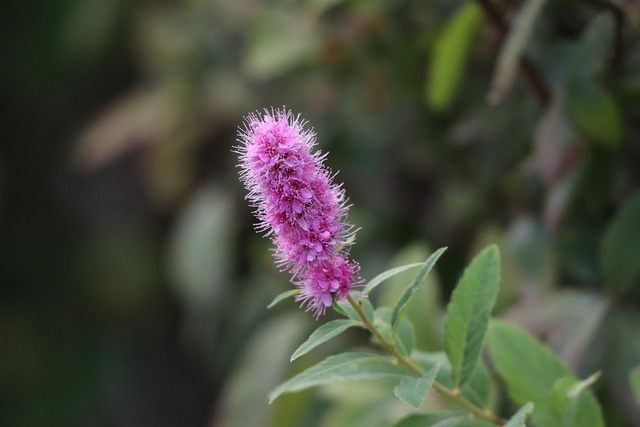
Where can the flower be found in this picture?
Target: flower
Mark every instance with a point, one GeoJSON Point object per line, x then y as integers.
{"type": "Point", "coordinates": [297, 205]}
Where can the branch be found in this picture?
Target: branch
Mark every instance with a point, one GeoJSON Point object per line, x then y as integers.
{"type": "Point", "coordinates": [409, 363]}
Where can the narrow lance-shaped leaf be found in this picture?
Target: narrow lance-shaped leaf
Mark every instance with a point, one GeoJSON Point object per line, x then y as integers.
{"type": "Point", "coordinates": [594, 112]}
{"type": "Point", "coordinates": [634, 377]}
{"type": "Point", "coordinates": [519, 417]}
{"type": "Point", "coordinates": [592, 108]}
{"type": "Point", "coordinates": [590, 54]}
{"type": "Point", "coordinates": [373, 283]}
{"type": "Point", "coordinates": [450, 56]}
{"type": "Point", "coordinates": [431, 419]}
{"type": "Point", "coordinates": [323, 334]}
{"type": "Point", "coordinates": [465, 324]}
{"type": "Point", "coordinates": [621, 246]}
{"type": "Point", "coordinates": [410, 291]}
{"type": "Point", "coordinates": [413, 391]}
{"type": "Point", "coordinates": [342, 367]}
{"type": "Point", "coordinates": [513, 49]}
{"type": "Point", "coordinates": [284, 295]}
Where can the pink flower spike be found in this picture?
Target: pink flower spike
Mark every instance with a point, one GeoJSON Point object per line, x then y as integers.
{"type": "Point", "coordinates": [297, 205]}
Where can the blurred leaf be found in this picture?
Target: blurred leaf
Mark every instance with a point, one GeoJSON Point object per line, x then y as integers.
{"type": "Point", "coordinates": [530, 371]}
{"type": "Point", "coordinates": [243, 397]}
{"type": "Point", "coordinates": [91, 26]}
{"type": "Point", "coordinates": [634, 379]}
{"type": "Point", "coordinates": [374, 413]}
{"type": "Point", "coordinates": [594, 112]}
{"type": "Point", "coordinates": [572, 406]}
{"type": "Point", "coordinates": [400, 306]}
{"type": "Point", "coordinates": [527, 258]}
{"type": "Point", "coordinates": [135, 120]}
{"type": "Point", "coordinates": [431, 419]}
{"type": "Point", "coordinates": [513, 49]}
{"type": "Point", "coordinates": [592, 108]}
{"type": "Point", "coordinates": [323, 334]}
{"type": "Point", "coordinates": [465, 324]}
{"type": "Point", "coordinates": [373, 283]}
{"type": "Point", "coordinates": [201, 254]}
{"type": "Point", "coordinates": [568, 319]}
{"type": "Point", "coordinates": [413, 391]}
{"type": "Point", "coordinates": [528, 367]}
{"type": "Point", "coordinates": [518, 419]}
{"type": "Point", "coordinates": [450, 56]}
{"type": "Point", "coordinates": [616, 351]}
{"type": "Point", "coordinates": [470, 423]}
{"type": "Point", "coordinates": [553, 141]}
{"type": "Point", "coordinates": [282, 296]}
{"type": "Point", "coordinates": [322, 6]}
{"type": "Point", "coordinates": [590, 54]}
{"type": "Point", "coordinates": [632, 12]}
{"type": "Point", "coordinates": [341, 367]}
{"type": "Point", "coordinates": [281, 40]}
{"type": "Point", "coordinates": [621, 246]}
{"type": "Point", "coordinates": [579, 237]}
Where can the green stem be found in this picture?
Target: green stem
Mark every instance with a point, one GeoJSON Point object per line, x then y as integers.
{"type": "Point", "coordinates": [409, 363]}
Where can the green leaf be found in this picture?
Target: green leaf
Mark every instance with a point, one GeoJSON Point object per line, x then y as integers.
{"type": "Point", "coordinates": [413, 391]}
{"type": "Point", "coordinates": [366, 305]}
{"type": "Point", "coordinates": [205, 229]}
{"type": "Point", "coordinates": [621, 246]}
{"type": "Point", "coordinates": [404, 335]}
{"type": "Point", "coordinates": [323, 334]}
{"type": "Point", "coordinates": [410, 291]}
{"type": "Point", "coordinates": [341, 367]}
{"type": "Point", "coordinates": [592, 108]}
{"type": "Point", "coordinates": [571, 405]}
{"type": "Point", "coordinates": [513, 48]}
{"type": "Point", "coordinates": [476, 390]}
{"type": "Point", "coordinates": [592, 50]}
{"type": "Point", "coordinates": [431, 419]}
{"type": "Point", "coordinates": [532, 373]}
{"type": "Point", "coordinates": [345, 308]}
{"type": "Point", "coordinates": [280, 41]}
{"type": "Point", "coordinates": [594, 112]}
{"type": "Point", "coordinates": [257, 374]}
{"type": "Point", "coordinates": [518, 419]}
{"type": "Point", "coordinates": [527, 366]}
{"type": "Point", "coordinates": [466, 422]}
{"type": "Point", "coordinates": [465, 324]}
{"type": "Point", "coordinates": [284, 295]}
{"type": "Point", "coordinates": [424, 309]}
{"type": "Point", "coordinates": [373, 283]}
{"type": "Point", "coordinates": [450, 56]}
{"type": "Point", "coordinates": [634, 378]}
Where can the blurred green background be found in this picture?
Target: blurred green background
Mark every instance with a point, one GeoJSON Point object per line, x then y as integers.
{"type": "Point", "coordinates": [132, 286]}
